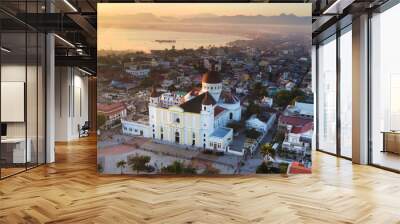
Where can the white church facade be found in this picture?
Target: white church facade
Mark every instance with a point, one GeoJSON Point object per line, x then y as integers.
{"type": "Point", "coordinates": [198, 119]}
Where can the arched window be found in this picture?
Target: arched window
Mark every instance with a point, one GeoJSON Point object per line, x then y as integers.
{"type": "Point", "coordinates": [176, 137]}
{"type": "Point", "coordinates": [177, 120]}
{"type": "Point", "coordinates": [230, 116]}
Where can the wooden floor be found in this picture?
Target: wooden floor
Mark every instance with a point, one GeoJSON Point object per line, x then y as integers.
{"type": "Point", "coordinates": [387, 159]}
{"type": "Point", "coordinates": [70, 191]}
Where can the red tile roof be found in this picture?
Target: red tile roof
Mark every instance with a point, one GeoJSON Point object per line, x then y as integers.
{"type": "Point", "coordinates": [218, 110]}
{"type": "Point", "coordinates": [300, 125]}
{"type": "Point", "coordinates": [110, 109]}
{"type": "Point", "coordinates": [305, 128]}
{"type": "Point", "coordinates": [298, 168]}
{"type": "Point", "coordinates": [115, 150]}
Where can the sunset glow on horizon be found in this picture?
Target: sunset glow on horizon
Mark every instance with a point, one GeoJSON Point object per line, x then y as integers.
{"type": "Point", "coordinates": [219, 9]}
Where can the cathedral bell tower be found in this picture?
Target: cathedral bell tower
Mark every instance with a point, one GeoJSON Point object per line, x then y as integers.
{"type": "Point", "coordinates": [207, 117]}
{"type": "Point", "coordinates": [211, 82]}
{"type": "Point", "coordinates": [154, 97]}
{"type": "Point", "coordinates": [154, 102]}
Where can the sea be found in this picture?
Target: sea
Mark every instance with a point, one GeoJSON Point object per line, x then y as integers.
{"type": "Point", "coordinates": [145, 39]}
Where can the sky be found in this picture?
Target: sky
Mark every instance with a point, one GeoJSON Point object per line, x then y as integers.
{"type": "Point", "coordinates": [187, 9]}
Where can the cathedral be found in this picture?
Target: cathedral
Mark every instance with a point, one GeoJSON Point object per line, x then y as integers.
{"type": "Point", "coordinates": [197, 119]}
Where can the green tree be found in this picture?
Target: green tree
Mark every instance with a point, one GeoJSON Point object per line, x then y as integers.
{"type": "Point", "coordinates": [279, 137]}
{"type": "Point", "coordinates": [210, 170]}
{"type": "Point", "coordinates": [101, 119]}
{"type": "Point", "coordinates": [138, 162]}
{"type": "Point", "coordinates": [285, 97]}
{"type": "Point", "coordinates": [253, 109]}
{"type": "Point", "coordinates": [283, 167]}
{"type": "Point", "coordinates": [297, 95]}
{"type": "Point", "coordinates": [172, 88]}
{"type": "Point", "coordinates": [178, 167]}
{"type": "Point", "coordinates": [121, 164]}
{"type": "Point", "coordinates": [282, 98]}
{"type": "Point", "coordinates": [146, 82]}
{"type": "Point", "coordinates": [259, 91]}
{"type": "Point", "coordinates": [264, 167]}
{"type": "Point", "coordinates": [267, 151]}
{"type": "Point", "coordinates": [252, 133]}
{"type": "Point", "coordinates": [236, 126]}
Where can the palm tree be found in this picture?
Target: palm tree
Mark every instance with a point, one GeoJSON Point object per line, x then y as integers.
{"type": "Point", "coordinates": [138, 162]}
{"type": "Point", "coordinates": [121, 164]}
{"type": "Point", "coordinates": [267, 151]}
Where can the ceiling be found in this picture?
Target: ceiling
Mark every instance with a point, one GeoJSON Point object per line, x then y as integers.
{"type": "Point", "coordinates": [75, 21]}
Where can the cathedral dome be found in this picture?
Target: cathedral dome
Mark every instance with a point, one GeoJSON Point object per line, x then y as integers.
{"type": "Point", "coordinates": [211, 77]}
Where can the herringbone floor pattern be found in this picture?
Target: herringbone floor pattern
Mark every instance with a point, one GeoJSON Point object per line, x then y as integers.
{"type": "Point", "coordinates": [70, 191]}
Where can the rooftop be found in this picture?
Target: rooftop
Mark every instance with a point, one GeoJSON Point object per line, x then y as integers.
{"type": "Point", "coordinates": [220, 132]}
{"type": "Point", "coordinates": [218, 110]}
{"type": "Point", "coordinates": [110, 109]}
{"type": "Point", "coordinates": [208, 99]}
{"type": "Point", "coordinates": [229, 98]}
{"type": "Point", "coordinates": [194, 105]}
{"type": "Point", "coordinates": [211, 77]}
{"type": "Point", "coordinates": [295, 121]}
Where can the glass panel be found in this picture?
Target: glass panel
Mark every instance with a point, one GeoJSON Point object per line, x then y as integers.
{"type": "Point", "coordinates": [327, 96]}
{"type": "Point", "coordinates": [32, 88]}
{"type": "Point", "coordinates": [31, 98]}
{"type": "Point", "coordinates": [23, 82]}
{"type": "Point", "coordinates": [346, 94]}
{"type": "Point", "coordinates": [13, 80]}
{"type": "Point", "coordinates": [385, 84]}
{"type": "Point", "coordinates": [41, 99]}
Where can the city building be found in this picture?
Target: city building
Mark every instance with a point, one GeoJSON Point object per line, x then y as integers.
{"type": "Point", "coordinates": [296, 124]}
{"type": "Point", "coordinates": [138, 72]}
{"type": "Point", "coordinates": [197, 119]}
{"type": "Point", "coordinates": [262, 125]}
{"type": "Point", "coordinates": [300, 109]}
{"type": "Point", "coordinates": [113, 112]}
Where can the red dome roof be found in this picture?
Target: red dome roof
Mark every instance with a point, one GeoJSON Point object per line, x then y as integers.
{"type": "Point", "coordinates": [211, 77]}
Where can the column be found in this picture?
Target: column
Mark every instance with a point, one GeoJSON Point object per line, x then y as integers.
{"type": "Point", "coordinates": [360, 89]}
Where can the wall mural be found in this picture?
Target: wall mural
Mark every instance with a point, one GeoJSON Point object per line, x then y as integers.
{"type": "Point", "coordinates": [204, 89]}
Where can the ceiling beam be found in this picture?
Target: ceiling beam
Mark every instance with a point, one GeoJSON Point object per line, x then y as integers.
{"type": "Point", "coordinates": [84, 24]}
{"type": "Point", "coordinates": [77, 61]}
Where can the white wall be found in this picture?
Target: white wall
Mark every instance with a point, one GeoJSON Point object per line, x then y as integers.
{"type": "Point", "coordinates": [71, 103]}
{"type": "Point", "coordinates": [33, 126]}
{"type": "Point", "coordinates": [12, 73]}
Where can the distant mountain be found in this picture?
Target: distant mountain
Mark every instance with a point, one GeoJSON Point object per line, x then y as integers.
{"type": "Point", "coordinates": [203, 15]}
{"type": "Point", "coordinates": [138, 17]}
{"type": "Point", "coordinates": [289, 19]}
{"type": "Point", "coordinates": [283, 19]}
